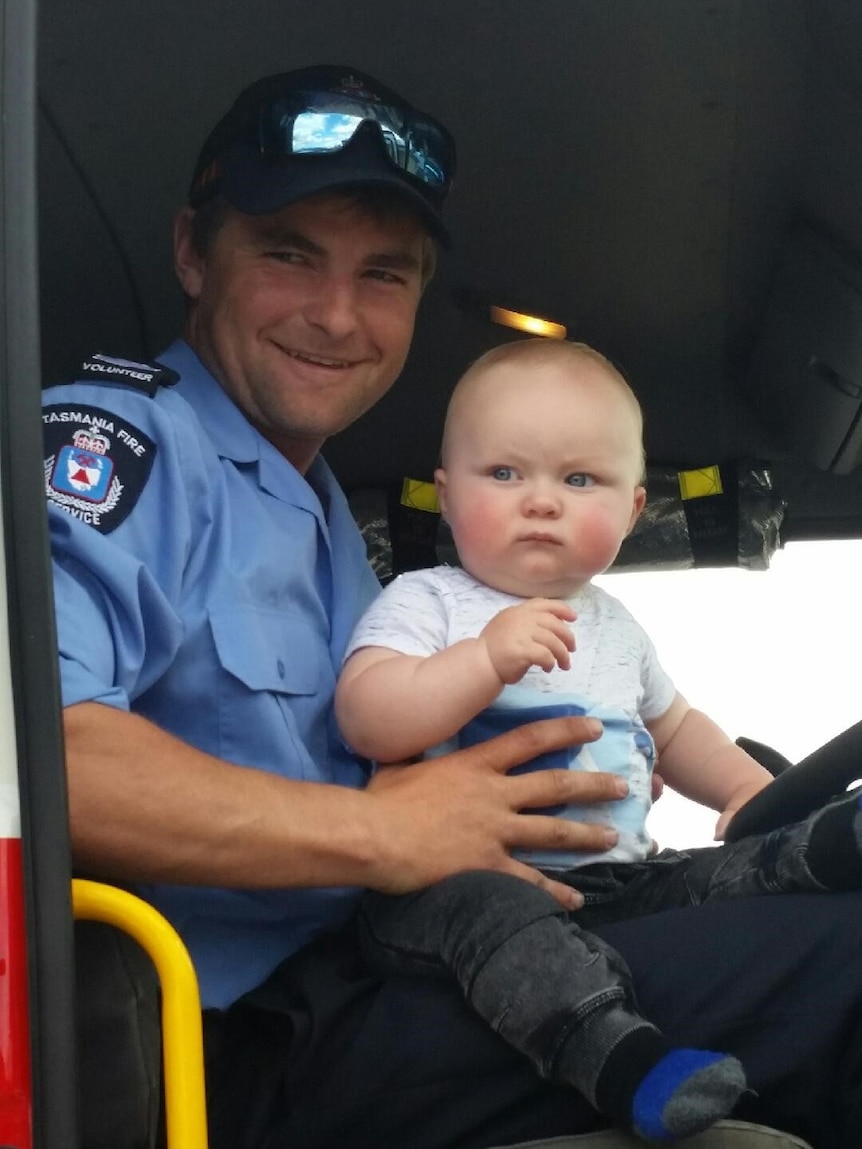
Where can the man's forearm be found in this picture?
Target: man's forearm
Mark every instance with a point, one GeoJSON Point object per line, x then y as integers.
{"type": "Point", "coordinates": [145, 806]}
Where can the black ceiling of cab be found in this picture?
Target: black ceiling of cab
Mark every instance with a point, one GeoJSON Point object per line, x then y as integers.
{"type": "Point", "coordinates": [678, 181]}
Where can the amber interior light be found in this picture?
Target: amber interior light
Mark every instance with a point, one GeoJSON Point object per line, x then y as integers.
{"type": "Point", "coordinates": [530, 323]}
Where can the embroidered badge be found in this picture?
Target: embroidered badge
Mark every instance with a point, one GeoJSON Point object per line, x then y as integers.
{"type": "Point", "coordinates": [96, 465]}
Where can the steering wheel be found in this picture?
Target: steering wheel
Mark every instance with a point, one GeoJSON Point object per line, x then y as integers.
{"type": "Point", "coordinates": [802, 788]}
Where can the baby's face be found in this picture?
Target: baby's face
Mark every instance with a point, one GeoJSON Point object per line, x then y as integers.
{"type": "Point", "coordinates": [542, 476]}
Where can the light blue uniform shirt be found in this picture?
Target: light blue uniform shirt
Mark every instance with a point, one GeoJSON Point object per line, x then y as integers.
{"type": "Point", "coordinates": [202, 582]}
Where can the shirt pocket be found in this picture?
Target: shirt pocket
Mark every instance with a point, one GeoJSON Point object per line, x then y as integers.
{"type": "Point", "coordinates": [272, 698]}
{"type": "Point", "coordinates": [267, 650]}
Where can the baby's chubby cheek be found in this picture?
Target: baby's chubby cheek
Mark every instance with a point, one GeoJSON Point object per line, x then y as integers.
{"type": "Point", "coordinates": [483, 529]}
{"type": "Point", "coordinates": [599, 541]}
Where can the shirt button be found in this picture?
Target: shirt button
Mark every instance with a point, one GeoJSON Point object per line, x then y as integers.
{"type": "Point", "coordinates": [280, 665]}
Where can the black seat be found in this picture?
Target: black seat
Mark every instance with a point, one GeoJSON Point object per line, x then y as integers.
{"type": "Point", "coordinates": [118, 1040]}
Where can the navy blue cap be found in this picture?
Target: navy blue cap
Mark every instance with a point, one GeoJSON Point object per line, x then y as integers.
{"type": "Point", "coordinates": [232, 162]}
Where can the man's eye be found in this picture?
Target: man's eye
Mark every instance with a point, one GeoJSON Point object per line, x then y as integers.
{"type": "Point", "coordinates": [581, 479]}
{"type": "Point", "coordinates": [286, 256]}
{"type": "Point", "coordinates": [384, 276]}
{"type": "Point", "coordinates": [503, 474]}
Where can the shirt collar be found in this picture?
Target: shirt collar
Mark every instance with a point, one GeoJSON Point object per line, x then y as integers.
{"type": "Point", "coordinates": [227, 428]}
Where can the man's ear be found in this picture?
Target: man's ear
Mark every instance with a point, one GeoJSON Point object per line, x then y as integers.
{"type": "Point", "coordinates": [440, 484]}
{"type": "Point", "coordinates": [638, 504]}
{"type": "Point", "coordinates": [188, 262]}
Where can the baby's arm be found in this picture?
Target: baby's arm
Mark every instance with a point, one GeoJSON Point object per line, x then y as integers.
{"type": "Point", "coordinates": [392, 706]}
{"type": "Point", "coordinates": [699, 760]}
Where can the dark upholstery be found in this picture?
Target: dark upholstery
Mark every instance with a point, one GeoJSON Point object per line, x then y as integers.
{"type": "Point", "coordinates": [119, 1040]}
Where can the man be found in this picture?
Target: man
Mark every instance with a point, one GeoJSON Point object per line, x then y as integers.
{"type": "Point", "coordinates": [207, 577]}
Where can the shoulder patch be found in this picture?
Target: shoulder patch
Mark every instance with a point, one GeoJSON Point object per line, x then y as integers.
{"type": "Point", "coordinates": [146, 376]}
{"type": "Point", "coordinates": [96, 465]}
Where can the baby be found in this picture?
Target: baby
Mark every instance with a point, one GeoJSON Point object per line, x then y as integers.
{"type": "Point", "coordinates": [541, 480]}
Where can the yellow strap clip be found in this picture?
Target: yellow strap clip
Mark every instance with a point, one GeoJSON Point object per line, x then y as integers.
{"type": "Point", "coordinates": [700, 483]}
{"type": "Point", "coordinates": [419, 496]}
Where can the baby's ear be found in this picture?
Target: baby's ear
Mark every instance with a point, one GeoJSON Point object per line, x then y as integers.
{"type": "Point", "coordinates": [638, 504]}
{"type": "Point", "coordinates": [440, 484]}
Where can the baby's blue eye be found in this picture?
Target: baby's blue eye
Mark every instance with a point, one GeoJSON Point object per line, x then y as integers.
{"type": "Point", "coordinates": [503, 474]}
{"type": "Point", "coordinates": [579, 479]}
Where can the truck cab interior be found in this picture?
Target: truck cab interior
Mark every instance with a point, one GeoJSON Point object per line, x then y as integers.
{"type": "Point", "coordinates": [676, 183]}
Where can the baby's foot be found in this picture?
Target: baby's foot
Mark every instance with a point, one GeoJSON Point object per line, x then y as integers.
{"type": "Point", "coordinates": [663, 1093]}
{"type": "Point", "coordinates": [686, 1092]}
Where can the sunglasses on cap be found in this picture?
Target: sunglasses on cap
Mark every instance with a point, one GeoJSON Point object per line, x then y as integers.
{"type": "Point", "coordinates": [324, 122]}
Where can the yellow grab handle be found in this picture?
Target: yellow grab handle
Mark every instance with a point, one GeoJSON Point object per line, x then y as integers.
{"type": "Point", "coordinates": [182, 1028]}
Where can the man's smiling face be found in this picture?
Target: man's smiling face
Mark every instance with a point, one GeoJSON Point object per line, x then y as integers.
{"type": "Point", "coordinates": [304, 316]}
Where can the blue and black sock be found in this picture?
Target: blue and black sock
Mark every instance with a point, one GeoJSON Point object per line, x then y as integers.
{"type": "Point", "coordinates": [662, 1093]}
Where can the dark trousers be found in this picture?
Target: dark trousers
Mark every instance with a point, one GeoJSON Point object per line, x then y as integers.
{"type": "Point", "coordinates": [541, 979]}
{"type": "Point", "coordinates": [328, 1053]}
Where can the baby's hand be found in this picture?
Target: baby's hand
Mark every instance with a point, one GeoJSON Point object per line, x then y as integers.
{"type": "Point", "coordinates": [533, 633]}
{"type": "Point", "coordinates": [736, 802]}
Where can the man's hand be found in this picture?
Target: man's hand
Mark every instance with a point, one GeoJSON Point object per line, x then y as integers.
{"type": "Point", "coordinates": [533, 633]}
{"type": "Point", "coordinates": [462, 811]}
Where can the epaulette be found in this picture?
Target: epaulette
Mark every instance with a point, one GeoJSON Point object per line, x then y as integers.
{"type": "Point", "coordinates": [147, 376]}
